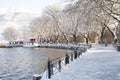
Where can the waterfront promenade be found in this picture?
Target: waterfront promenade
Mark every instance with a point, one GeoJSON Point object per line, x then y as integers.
{"type": "Point", "coordinates": [98, 63]}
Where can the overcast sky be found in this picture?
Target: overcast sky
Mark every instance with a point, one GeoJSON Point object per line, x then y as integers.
{"type": "Point", "coordinates": [35, 6]}
{"type": "Point", "coordinates": [31, 5]}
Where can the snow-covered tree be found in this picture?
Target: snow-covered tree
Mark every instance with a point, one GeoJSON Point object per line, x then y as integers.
{"type": "Point", "coordinates": [10, 34]}
{"type": "Point", "coordinates": [95, 10]}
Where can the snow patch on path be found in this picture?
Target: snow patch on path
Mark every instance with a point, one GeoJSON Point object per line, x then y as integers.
{"type": "Point", "coordinates": [98, 63]}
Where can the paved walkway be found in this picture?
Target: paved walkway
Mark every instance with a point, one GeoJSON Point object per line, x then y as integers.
{"type": "Point", "coordinates": [98, 63]}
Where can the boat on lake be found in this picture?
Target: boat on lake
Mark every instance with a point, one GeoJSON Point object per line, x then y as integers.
{"type": "Point", "coordinates": [30, 45]}
{"type": "Point", "coordinates": [8, 46]}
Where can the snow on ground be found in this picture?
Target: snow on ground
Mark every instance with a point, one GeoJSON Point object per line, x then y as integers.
{"type": "Point", "coordinates": [98, 63]}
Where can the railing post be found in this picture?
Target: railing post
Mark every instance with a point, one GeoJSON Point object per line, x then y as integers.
{"type": "Point", "coordinates": [66, 59]}
{"type": "Point", "coordinates": [49, 68]}
{"type": "Point", "coordinates": [36, 77]}
{"type": "Point", "coordinates": [71, 57]}
{"type": "Point", "coordinates": [59, 64]}
{"type": "Point", "coordinates": [80, 52]}
{"type": "Point", "coordinates": [75, 56]}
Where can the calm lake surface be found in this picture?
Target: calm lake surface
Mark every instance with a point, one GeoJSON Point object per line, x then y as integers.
{"type": "Point", "coordinates": [23, 63]}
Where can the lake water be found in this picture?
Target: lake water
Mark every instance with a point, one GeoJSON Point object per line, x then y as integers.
{"type": "Point", "coordinates": [23, 63]}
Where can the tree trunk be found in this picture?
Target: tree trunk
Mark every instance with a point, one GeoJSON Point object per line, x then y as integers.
{"type": "Point", "coordinates": [113, 35]}
{"type": "Point", "coordinates": [102, 34]}
{"type": "Point", "coordinates": [65, 37]}
{"type": "Point", "coordinates": [87, 40]}
{"type": "Point", "coordinates": [74, 38]}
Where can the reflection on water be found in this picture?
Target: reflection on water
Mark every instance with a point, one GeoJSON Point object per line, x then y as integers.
{"type": "Point", "coordinates": [22, 63]}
